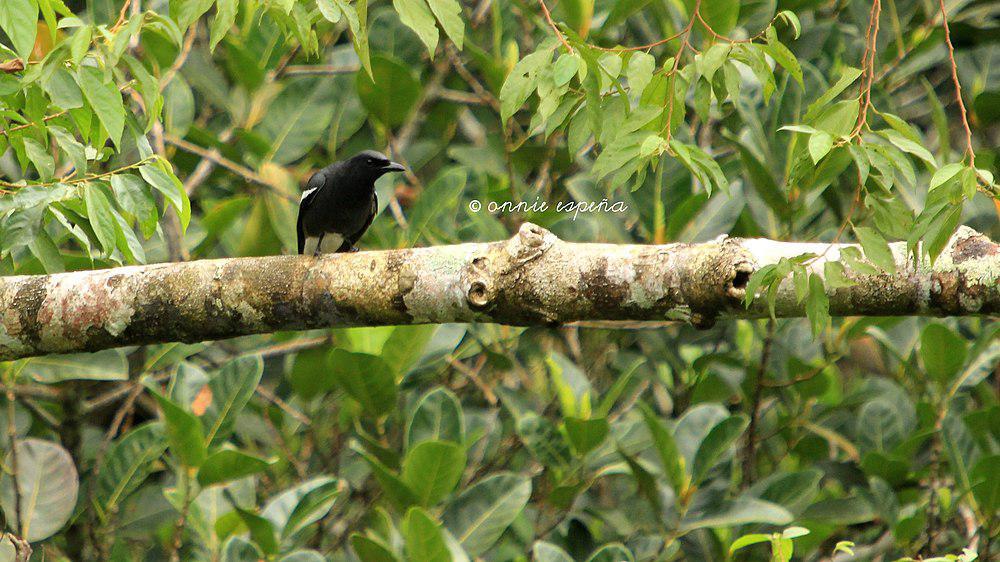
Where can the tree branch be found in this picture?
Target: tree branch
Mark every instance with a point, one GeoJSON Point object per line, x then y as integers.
{"type": "Point", "coordinates": [532, 279]}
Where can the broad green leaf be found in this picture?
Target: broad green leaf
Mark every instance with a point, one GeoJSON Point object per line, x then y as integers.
{"type": "Point", "coordinates": [437, 417]}
{"type": "Point", "coordinates": [944, 174]}
{"type": "Point", "coordinates": [330, 10]}
{"type": "Point", "coordinates": [19, 20]}
{"type": "Point", "coordinates": [393, 93]}
{"type": "Point", "coordinates": [311, 507]}
{"type": "Point", "coordinates": [424, 540]}
{"type": "Point", "coordinates": [449, 15]}
{"type": "Point", "coordinates": [261, 530]}
{"type": "Point", "coordinates": [171, 188]}
{"type": "Point", "coordinates": [820, 144]}
{"type": "Point", "coordinates": [71, 147]}
{"type": "Point", "coordinates": [301, 505]}
{"type": "Point", "coordinates": [908, 145]}
{"type": "Point", "coordinates": [942, 352]}
{"type": "Point", "coordinates": [43, 161]}
{"type": "Point", "coordinates": [780, 53]}
{"type": "Point", "coordinates": [847, 77]}
{"type": "Point", "coordinates": [432, 469]}
{"type": "Point", "coordinates": [586, 434]}
{"type": "Point", "coordinates": [366, 378]}
{"type": "Point", "coordinates": [136, 199]}
{"type": "Point", "coordinates": [639, 71]}
{"type": "Point", "coordinates": [548, 552]}
{"type": "Point", "coordinates": [128, 462]}
{"type": "Point", "coordinates": [730, 513]}
{"type": "Point", "coordinates": [670, 458]}
{"type": "Point", "coordinates": [716, 443]}
{"type": "Point", "coordinates": [614, 552]}
{"type": "Point", "coordinates": [238, 549]}
{"type": "Point", "coordinates": [876, 249]}
{"type": "Point", "coordinates": [357, 21]}
{"type": "Point", "coordinates": [370, 549]}
{"type": "Point", "coordinates": [229, 464]}
{"type": "Point", "coordinates": [231, 388]}
{"type": "Point", "coordinates": [299, 116]}
{"type": "Point", "coordinates": [720, 15]}
{"type": "Point", "coordinates": [225, 17]}
{"type": "Point", "coordinates": [107, 365]}
{"type": "Point", "coordinates": [101, 215]}
{"type": "Point", "coordinates": [103, 95]}
{"type": "Point", "coordinates": [416, 15]}
{"type": "Point", "coordinates": [47, 485]}
{"type": "Point", "coordinates": [399, 494]}
{"type": "Point", "coordinates": [483, 511]}
{"type": "Point", "coordinates": [747, 540]}
{"type": "Point", "coordinates": [184, 432]}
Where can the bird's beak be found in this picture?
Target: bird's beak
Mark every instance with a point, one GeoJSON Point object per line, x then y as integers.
{"type": "Point", "coordinates": [394, 167]}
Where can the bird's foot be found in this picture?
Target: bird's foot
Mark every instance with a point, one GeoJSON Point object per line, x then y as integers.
{"type": "Point", "coordinates": [354, 249]}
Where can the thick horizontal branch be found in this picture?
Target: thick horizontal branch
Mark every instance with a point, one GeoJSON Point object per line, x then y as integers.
{"type": "Point", "coordinates": [532, 279]}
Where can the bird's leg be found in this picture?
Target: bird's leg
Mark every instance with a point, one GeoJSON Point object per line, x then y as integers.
{"type": "Point", "coordinates": [354, 249]}
{"type": "Point", "coordinates": [319, 244]}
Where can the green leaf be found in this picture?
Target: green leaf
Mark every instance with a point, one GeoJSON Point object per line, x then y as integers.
{"type": "Point", "coordinates": [780, 53]}
{"type": "Point", "coordinates": [848, 76]}
{"type": "Point", "coordinates": [449, 15]}
{"type": "Point", "coordinates": [44, 163]}
{"type": "Point", "coordinates": [370, 549]}
{"type": "Point", "coordinates": [19, 20]}
{"type": "Point", "coordinates": [548, 552]}
{"type": "Point", "coordinates": [614, 552]}
{"type": "Point", "coordinates": [944, 174]}
{"type": "Point", "coordinates": [366, 378]}
{"type": "Point", "coordinates": [586, 434]}
{"type": "Point", "coordinates": [46, 488]}
{"type": "Point", "coordinates": [876, 249]}
{"type": "Point", "coordinates": [330, 10]}
{"type": "Point", "coordinates": [184, 432]}
{"type": "Point", "coordinates": [907, 145]}
{"type": "Point", "coordinates": [103, 95]}
{"type": "Point", "coordinates": [108, 365]}
{"type": "Point", "coordinates": [128, 462]}
{"type": "Point", "coordinates": [720, 15]}
{"type": "Point", "coordinates": [820, 144]}
{"type": "Point", "coordinates": [312, 506]}
{"type": "Point", "coordinates": [101, 215]}
{"type": "Point", "coordinates": [942, 351]}
{"type": "Point", "coordinates": [424, 540]}
{"type": "Point", "coordinates": [399, 494]}
{"type": "Point", "coordinates": [432, 469]}
{"type": "Point", "coordinates": [229, 464]}
{"type": "Point", "coordinates": [225, 17]}
{"type": "Point", "coordinates": [483, 511]}
{"type": "Point", "coordinates": [393, 93]}
{"type": "Point", "coordinates": [747, 540]}
{"type": "Point", "coordinates": [73, 149]}
{"type": "Point", "coordinates": [357, 22]}
{"type": "Point", "coordinates": [299, 116]}
{"type": "Point", "coordinates": [173, 191]}
{"type": "Point", "coordinates": [639, 71]}
{"type": "Point", "coordinates": [817, 304]}
{"type": "Point", "coordinates": [231, 389]}
{"type": "Point", "coordinates": [716, 443]}
{"type": "Point", "coordinates": [238, 549]}
{"type": "Point", "coordinates": [416, 15]}
{"type": "Point", "coordinates": [261, 530]}
{"type": "Point", "coordinates": [730, 513]}
{"type": "Point", "coordinates": [437, 417]}
{"type": "Point", "coordinates": [136, 198]}
{"type": "Point", "coordinates": [670, 457]}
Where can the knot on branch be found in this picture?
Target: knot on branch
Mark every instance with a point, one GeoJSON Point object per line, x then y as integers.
{"type": "Point", "coordinates": [716, 280]}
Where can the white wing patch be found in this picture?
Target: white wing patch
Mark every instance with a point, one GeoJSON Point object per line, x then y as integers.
{"type": "Point", "coordinates": [331, 243]}
{"type": "Point", "coordinates": [307, 193]}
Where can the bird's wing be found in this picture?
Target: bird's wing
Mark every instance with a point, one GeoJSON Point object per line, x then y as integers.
{"type": "Point", "coordinates": [371, 217]}
{"type": "Point", "coordinates": [308, 196]}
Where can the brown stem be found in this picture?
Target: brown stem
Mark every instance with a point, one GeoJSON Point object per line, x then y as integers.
{"type": "Point", "coordinates": [750, 456]}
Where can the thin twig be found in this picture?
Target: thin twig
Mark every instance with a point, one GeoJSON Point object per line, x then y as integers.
{"type": "Point", "coordinates": [750, 450]}
{"type": "Point", "coordinates": [958, 86]}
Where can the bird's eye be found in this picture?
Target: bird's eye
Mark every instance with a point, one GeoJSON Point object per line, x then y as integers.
{"type": "Point", "coordinates": [371, 161]}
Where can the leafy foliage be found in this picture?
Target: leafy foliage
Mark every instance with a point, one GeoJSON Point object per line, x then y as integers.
{"type": "Point", "coordinates": [161, 130]}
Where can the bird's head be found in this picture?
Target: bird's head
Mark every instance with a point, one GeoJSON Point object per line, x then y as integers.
{"type": "Point", "coordinates": [372, 165]}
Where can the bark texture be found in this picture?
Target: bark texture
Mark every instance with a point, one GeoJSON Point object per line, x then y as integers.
{"type": "Point", "coordinates": [531, 279]}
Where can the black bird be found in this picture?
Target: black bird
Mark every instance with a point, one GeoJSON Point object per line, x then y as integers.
{"type": "Point", "coordinates": [339, 203]}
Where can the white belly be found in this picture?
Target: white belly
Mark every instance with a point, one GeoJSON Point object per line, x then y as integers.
{"type": "Point", "coordinates": [331, 243]}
